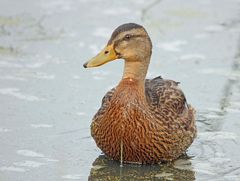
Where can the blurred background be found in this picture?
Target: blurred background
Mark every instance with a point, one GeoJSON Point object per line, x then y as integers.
{"type": "Point", "coordinates": [47, 99]}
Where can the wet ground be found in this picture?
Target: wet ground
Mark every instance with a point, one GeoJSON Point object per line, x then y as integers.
{"type": "Point", "coordinates": [47, 99]}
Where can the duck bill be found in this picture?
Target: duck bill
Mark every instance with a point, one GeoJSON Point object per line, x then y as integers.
{"type": "Point", "coordinates": [106, 55]}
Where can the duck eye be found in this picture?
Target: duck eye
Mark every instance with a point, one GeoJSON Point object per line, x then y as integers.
{"type": "Point", "coordinates": [127, 37]}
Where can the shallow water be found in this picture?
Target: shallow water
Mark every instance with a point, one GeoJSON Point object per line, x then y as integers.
{"type": "Point", "coordinates": [47, 99]}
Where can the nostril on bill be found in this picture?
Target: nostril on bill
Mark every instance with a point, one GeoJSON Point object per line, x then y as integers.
{"type": "Point", "coordinates": [106, 52]}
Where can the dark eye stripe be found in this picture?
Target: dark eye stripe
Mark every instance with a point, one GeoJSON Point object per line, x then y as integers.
{"type": "Point", "coordinates": [136, 36]}
{"type": "Point", "coordinates": [124, 39]}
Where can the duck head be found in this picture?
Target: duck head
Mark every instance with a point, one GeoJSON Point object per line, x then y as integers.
{"type": "Point", "coordinates": [129, 42]}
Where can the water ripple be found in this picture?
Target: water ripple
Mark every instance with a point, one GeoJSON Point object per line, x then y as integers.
{"type": "Point", "coordinates": [16, 93]}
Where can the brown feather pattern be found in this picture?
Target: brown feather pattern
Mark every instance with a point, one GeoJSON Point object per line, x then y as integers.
{"type": "Point", "coordinates": [153, 121]}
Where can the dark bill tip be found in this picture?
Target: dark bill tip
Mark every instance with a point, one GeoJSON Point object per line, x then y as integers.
{"type": "Point", "coordinates": [85, 65]}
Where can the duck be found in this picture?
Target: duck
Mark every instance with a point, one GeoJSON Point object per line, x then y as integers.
{"type": "Point", "coordinates": [142, 121]}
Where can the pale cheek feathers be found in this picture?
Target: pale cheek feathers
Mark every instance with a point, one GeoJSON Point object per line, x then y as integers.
{"type": "Point", "coordinates": [130, 50]}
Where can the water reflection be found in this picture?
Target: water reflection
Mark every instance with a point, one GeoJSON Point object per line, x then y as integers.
{"type": "Point", "coordinates": [105, 169]}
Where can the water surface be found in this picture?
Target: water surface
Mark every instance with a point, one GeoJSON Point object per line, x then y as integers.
{"type": "Point", "coordinates": [47, 99]}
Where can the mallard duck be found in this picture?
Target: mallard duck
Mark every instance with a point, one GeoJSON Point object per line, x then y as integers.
{"type": "Point", "coordinates": [143, 121]}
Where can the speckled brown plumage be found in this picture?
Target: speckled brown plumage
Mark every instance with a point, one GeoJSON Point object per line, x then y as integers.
{"type": "Point", "coordinates": [148, 118]}
{"type": "Point", "coordinates": [159, 129]}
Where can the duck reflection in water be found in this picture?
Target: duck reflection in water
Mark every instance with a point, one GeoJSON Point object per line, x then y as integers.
{"type": "Point", "coordinates": [104, 169]}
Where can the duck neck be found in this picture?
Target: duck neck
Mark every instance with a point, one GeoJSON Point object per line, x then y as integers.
{"type": "Point", "coordinates": [133, 80]}
{"type": "Point", "coordinates": [136, 70]}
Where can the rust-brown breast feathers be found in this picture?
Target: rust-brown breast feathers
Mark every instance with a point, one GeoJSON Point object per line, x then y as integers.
{"type": "Point", "coordinates": [167, 123]}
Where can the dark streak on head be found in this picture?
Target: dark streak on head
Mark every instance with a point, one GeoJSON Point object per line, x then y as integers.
{"type": "Point", "coordinates": [132, 36]}
{"type": "Point", "coordinates": [122, 28]}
